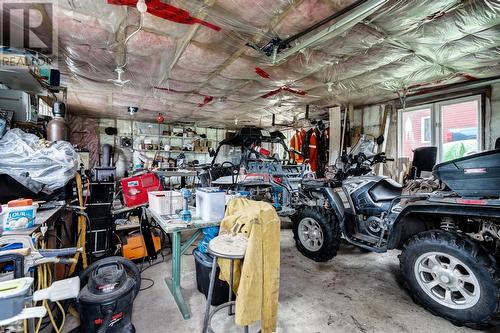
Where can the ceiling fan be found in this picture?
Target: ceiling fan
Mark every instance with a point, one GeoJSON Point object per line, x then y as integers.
{"type": "Point", "coordinates": [119, 81]}
{"type": "Point", "coordinates": [142, 8]}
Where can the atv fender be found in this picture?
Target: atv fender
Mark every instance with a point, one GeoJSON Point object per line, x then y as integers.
{"type": "Point", "coordinates": [335, 202]}
{"type": "Point", "coordinates": [422, 215]}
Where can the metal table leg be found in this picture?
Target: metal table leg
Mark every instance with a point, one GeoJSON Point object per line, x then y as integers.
{"type": "Point", "coordinates": [231, 283]}
{"type": "Point", "coordinates": [210, 294]}
{"type": "Point", "coordinates": [174, 282]}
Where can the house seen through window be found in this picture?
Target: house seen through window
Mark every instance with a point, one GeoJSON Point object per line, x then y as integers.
{"type": "Point", "coordinates": [453, 126]}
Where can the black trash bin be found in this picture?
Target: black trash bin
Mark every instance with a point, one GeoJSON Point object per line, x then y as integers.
{"type": "Point", "coordinates": [203, 262]}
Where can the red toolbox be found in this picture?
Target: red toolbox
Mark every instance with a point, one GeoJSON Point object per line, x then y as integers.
{"type": "Point", "coordinates": [135, 189]}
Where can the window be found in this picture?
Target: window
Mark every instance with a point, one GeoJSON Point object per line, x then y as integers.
{"type": "Point", "coordinates": [453, 126]}
{"type": "Point", "coordinates": [459, 129]}
{"type": "Point", "coordinates": [415, 129]}
{"type": "Point", "coordinates": [425, 130]}
{"type": "Point", "coordinates": [43, 108]}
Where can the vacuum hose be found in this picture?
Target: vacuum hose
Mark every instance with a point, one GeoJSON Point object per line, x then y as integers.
{"type": "Point", "coordinates": [106, 321]}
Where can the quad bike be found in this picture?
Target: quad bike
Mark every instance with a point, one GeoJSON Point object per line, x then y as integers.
{"type": "Point", "coordinates": [449, 238]}
{"type": "Point", "coordinates": [259, 163]}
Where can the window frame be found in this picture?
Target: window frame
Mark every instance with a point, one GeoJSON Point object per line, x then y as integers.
{"type": "Point", "coordinates": [436, 122]}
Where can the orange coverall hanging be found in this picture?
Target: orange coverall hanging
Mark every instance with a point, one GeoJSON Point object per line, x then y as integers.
{"type": "Point", "coordinates": [313, 151]}
{"type": "Point", "coordinates": [296, 143]}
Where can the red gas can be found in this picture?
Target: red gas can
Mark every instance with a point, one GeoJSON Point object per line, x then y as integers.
{"type": "Point", "coordinates": [135, 189]}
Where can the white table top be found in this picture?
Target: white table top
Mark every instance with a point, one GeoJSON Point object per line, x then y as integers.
{"type": "Point", "coordinates": [173, 223]}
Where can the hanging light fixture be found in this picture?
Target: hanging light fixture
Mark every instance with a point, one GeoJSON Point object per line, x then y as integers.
{"type": "Point", "coordinates": [132, 110]}
{"type": "Point", "coordinates": [329, 86]}
{"type": "Point", "coordinates": [141, 6]}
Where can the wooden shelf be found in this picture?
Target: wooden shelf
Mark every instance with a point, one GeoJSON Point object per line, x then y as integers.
{"type": "Point", "coordinates": [21, 78]}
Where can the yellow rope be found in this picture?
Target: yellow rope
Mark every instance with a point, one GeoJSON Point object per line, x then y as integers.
{"type": "Point", "coordinates": [44, 281]}
{"type": "Point", "coordinates": [82, 228]}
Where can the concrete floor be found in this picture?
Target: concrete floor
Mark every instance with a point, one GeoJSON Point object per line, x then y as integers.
{"type": "Point", "coordinates": [355, 292]}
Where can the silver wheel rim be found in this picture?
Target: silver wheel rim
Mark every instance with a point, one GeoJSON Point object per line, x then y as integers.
{"type": "Point", "coordinates": [447, 280]}
{"type": "Point", "coordinates": [310, 234]}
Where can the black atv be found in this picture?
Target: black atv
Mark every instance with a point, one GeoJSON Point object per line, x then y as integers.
{"type": "Point", "coordinates": [449, 238]}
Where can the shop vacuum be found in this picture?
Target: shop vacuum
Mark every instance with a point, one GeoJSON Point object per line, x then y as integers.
{"type": "Point", "coordinates": [105, 302]}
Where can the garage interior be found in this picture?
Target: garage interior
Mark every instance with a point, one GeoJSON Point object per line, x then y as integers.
{"type": "Point", "coordinates": [252, 165]}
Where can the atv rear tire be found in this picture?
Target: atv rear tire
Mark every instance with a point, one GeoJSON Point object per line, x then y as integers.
{"type": "Point", "coordinates": [316, 233]}
{"type": "Point", "coordinates": [453, 277]}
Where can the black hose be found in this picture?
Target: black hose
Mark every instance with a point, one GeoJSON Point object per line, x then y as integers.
{"type": "Point", "coordinates": [106, 322]}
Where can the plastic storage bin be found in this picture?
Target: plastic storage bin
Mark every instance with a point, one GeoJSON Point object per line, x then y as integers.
{"type": "Point", "coordinates": [475, 176]}
{"type": "Point", "coordinates": [210, 203]}
{"type": "Point", "coordinates": [12, 296]}
{"type": "Point", "coordinates": [203, 262]}
{"type": "Point", "coordinates": [135, 189]}
{"type": "Point", "coordinates": [18, 214]}
{"type": "Point", "coordinates": [165, 202]}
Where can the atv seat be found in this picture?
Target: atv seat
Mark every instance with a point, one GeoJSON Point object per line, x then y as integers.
{"type": "Point", "coordinates": [385, 190]}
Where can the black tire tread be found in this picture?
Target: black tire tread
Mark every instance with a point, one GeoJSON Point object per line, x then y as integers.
{"type": "Point", "coordinates": [466, 244]}
{"type": "Point", "coordinates": [331, 230]}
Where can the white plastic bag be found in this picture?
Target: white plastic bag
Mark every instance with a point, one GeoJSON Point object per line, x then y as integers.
{"type": "Point", "coordinates": [21, 153]}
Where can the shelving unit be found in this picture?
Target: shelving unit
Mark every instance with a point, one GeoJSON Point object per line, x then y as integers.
{"type": "Point", "coordinates": [171, 151]}
{"type": "Point", "coordinates": [174, 141]}
{"type": "Point", "coordinates": [192, 138]}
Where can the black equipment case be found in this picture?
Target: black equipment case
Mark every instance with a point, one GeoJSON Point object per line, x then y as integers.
{"type": "Point", "coordinates": [474, 176]}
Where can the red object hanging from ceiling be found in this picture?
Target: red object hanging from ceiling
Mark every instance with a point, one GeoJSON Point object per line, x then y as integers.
{"type": "Point", "coordinates": [284, 88]}
{"type": "Point", "coordinates": [262, 73]}
{"type": "Point", "coordinates": [206, 100]}
{"type": "Point", "coordinates": [167, 12]}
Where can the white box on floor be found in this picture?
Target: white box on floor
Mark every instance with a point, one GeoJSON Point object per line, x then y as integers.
{"type": "Point", "coordinates": [165, 202]}
{"type": "Point", "coordinates": [210, 203]}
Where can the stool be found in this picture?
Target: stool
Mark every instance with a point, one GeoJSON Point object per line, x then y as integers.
{"type": "Point", "coordinates": [230, 247]}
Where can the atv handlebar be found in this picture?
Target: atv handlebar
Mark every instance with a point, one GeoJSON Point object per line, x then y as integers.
{"type": "Point", "coordinates": [360, 164]}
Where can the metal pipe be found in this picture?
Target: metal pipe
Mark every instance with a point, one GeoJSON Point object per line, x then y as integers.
{"type": "Point", "coordinates": [339, 13]}
{"type": "Point", "coordinates": [344, 23]}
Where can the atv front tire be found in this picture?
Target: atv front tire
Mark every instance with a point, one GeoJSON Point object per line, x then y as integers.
{"type": "Point", "coordinates": [452, 276]}
{"type": "Point", "coordinates": [316, 233]}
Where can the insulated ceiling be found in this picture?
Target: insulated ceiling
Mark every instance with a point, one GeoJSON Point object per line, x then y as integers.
{"type": "Point", "coordinates": [205, 72]}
